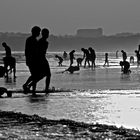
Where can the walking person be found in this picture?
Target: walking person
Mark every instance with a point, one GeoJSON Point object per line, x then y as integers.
{"type": "Point", "coordinates": [106, 60]}
{"type": "Point", "coordinates": [41, 67]}
{"type": "Point", "coordinates": [31, 56]}
{"type": "Point", "coordinates": [44, 68]}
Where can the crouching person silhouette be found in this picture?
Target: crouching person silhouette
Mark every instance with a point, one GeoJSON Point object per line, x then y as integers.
{"type": "Point", "coordinates": [125, 67]}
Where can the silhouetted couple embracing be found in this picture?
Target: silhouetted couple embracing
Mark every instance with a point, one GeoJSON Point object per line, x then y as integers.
{"type": "Point", "coordinates": [35, 55]}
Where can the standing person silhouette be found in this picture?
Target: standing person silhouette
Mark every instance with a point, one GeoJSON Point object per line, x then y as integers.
{"type": "Point", "coordinates": [71, 54]}
{"type": "Point", "coordinates": [92, 56]}
{"type": "Point", "coordinates": [138, 57]}
{"type": "Point", "coordinates": [31, 54]}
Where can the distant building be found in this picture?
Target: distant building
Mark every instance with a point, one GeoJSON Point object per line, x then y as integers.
{"type": "Point", "coordinates": [90, 32]}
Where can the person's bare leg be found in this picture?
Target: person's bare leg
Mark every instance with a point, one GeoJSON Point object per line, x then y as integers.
{"type": "Point", "coordinates": [47, 84]}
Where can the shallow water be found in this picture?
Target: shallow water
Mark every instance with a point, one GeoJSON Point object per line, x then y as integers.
{"type": "Point", "coordinates": [117, 109]}
{"type": "Point", "coordinates": [102, 95]}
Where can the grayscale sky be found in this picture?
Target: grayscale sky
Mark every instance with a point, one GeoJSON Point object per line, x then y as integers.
{"type": "Point", "coordinates": [66, 16]}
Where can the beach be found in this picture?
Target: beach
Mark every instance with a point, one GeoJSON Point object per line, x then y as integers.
{"type": "Point", "coordinates": [103, 96]}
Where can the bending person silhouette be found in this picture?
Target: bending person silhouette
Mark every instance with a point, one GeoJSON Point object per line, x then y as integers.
{"type": "Point", "coordinates": [125, 67]}
{"type": "Point", "coordinates": [9, 61]}
{"type": "Point", "coordinates": [60, 60]}
{"type": "Point", "coordinates": [86, 55]}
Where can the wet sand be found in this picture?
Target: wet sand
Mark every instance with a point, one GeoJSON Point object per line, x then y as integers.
{"type": "Point", "coordinates": [19, 126]}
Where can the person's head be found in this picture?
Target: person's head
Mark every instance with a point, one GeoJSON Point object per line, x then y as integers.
{"type": "Point", "coordinates": [56, 56]}
{"type": "Point", "coordinates": [36, 31]}
{"type": "Point", "coordinates": [73, 51]}
{"type": "Point", "coordinates": [82, 49]}
{"type": "Point", "coordinates": [89, 48]}
{"type": "Point", "coordinates": [122, 51]}
{"type": "Point", "coordinates": [45, 33]}
{"type": "Point", "coordinates": [4, 44]}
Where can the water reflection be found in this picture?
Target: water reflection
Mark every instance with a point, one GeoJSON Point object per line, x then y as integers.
{"type": "Point", "coordinates": [125, 77]}
{"type": "Point", "coordinates": [36, 99]}
{"type": "Point", "coordinates": [10, 80]}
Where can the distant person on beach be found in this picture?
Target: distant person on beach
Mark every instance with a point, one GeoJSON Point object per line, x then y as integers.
{"type": "Point", "coordinates": [86, 56]}
{"type": "Point", "coordinates": [106, 60]}
{"type": "Point", "coordinates": [31, 56]}
{"type": "Point", "coordinates": [124, 55]}
{"type": "Point", "coordinates": [92, 56]}
{"type": "Point", "coordinates": [138, 57]}
{"type": "Point", "coordinates": [65, 55]}
{"type": "Point", "coordinates": [139, 48]}
{"type": "Point", "coordinates": [71, 54]}
{"type": "Point", "coordinates": [60, 60]}
{"type": "Point", "coordinates": [132, 59]}
{"type": "Point", "coordinates": [9, 60]}
{"type": "Point", "coordinates": [117, 54]}
{"type": "Point", "coordinates": [79, 61]}
{"type": "Point", "coordinates": [125, 67]}
{"type": "Point", "coordinates": [7, 49]}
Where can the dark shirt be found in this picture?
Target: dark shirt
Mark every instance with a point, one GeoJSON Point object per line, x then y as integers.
{"type": "Point", "coordinates": [8, 51]}
{"type": "Point", "coordinates": [92, 53]}
{"type": "Point", "coordinates": [31, 50]}
{"type": "Point", "coordinates": [71, 54]}
{"type": "Point", "coordinates": [42, 49]}
{"type": "Point", "coordinates": [86, 53]}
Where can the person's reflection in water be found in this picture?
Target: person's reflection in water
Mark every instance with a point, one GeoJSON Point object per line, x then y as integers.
{"type": "Point", "coordinates": [125, 77]}
{"type": "Point", "coordinates": [10, 80]}
{"type": "Point", "coordinates": [38, 98]}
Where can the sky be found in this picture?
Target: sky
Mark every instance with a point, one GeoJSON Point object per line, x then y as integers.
{"type": "Point", "coordinates": [64, 17]}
